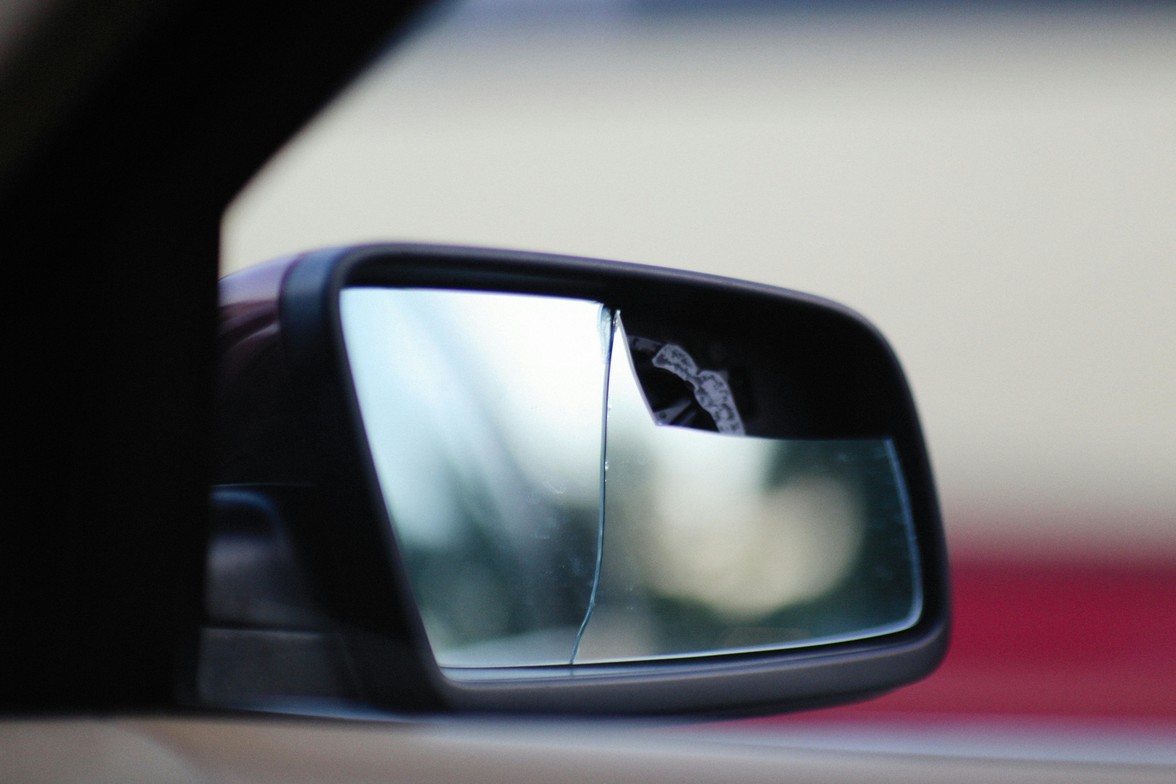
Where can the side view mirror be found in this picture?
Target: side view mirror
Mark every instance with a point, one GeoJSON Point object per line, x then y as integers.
{"type": "Point", "coordinates": [473, 480]}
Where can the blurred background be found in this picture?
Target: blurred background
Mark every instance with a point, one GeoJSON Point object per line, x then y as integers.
{"type": "Point", "coordinates": [993, 184]}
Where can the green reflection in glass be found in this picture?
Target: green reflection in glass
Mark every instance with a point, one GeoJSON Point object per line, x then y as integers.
{"type": "Point", "coordinates": [537, 529]}
{"type": "Point", "coordinates": [717, 543]}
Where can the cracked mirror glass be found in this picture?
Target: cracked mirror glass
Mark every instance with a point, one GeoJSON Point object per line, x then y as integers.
{"type": "Point", "coordinates": [572, 484]}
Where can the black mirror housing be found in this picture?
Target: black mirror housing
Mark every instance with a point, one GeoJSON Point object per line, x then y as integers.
{"type": "Point", "coordinates": [311, 567]}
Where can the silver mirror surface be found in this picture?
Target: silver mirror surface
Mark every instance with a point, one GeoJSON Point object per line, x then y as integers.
{"type": "Point", "coordinates": [565, 492]}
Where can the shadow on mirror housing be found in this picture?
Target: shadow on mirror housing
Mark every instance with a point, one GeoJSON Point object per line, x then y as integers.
{"type": "Point", "coordinates": [453, 479]}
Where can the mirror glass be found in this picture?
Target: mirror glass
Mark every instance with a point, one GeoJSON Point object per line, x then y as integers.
{"type": "Point", "coordinates": [573, 484]}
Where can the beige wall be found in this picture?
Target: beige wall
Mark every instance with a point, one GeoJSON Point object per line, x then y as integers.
{"type": "Point", "coordinates": [998, 194]}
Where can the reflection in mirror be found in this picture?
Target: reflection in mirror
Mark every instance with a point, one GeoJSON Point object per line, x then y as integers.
{"type": "Point", "coordinates": [484, 417]}
{"type": "Point", "coordinates": [565, 492]}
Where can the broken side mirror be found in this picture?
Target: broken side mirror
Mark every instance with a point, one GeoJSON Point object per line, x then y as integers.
{"type": "Point", "coordinates": [532, 483]}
